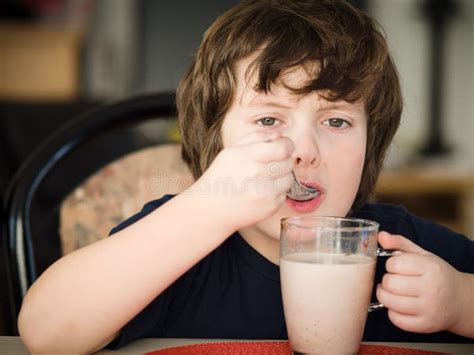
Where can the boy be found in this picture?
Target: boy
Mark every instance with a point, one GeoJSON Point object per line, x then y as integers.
{"type": "Point", "coordinates": [276, 86]}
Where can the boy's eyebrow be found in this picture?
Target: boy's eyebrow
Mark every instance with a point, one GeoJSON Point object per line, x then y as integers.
{"type": "Point", "coordinates": [262, 101]}
{"type": "Point", "coordinates": [341, 105]}
{"type": "Point", "coordinates": [327, 105]}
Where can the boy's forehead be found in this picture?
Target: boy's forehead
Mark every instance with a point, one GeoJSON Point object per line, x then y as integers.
{"type": "Point", "coordinates": [295, 77]}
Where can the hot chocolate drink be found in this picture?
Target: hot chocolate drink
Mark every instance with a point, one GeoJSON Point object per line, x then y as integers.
{"type": "Point", "coordinates": [325, 300]}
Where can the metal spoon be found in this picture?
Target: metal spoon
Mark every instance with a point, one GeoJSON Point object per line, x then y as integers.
{"type": "Point", "coordinates": [300, 192]}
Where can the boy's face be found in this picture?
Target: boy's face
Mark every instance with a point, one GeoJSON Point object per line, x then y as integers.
{"type": "Point", "coordinates": [329, 139]}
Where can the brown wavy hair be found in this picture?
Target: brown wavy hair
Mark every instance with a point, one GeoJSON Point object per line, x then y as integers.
{"type": "Point", "coordinates": [348, 45]}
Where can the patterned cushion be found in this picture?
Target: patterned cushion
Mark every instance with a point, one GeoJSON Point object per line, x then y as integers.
{"type": "Point", "coordinates": [119, 190]}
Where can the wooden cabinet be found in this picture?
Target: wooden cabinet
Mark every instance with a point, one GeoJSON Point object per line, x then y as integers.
{"type": "Point", "coordinates": [39, 62]}
{"type": "Point", "coordinates": [444, 195]}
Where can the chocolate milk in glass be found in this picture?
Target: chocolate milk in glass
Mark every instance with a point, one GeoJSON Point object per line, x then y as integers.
{"type": "Point", "coordinates": [326, 298]}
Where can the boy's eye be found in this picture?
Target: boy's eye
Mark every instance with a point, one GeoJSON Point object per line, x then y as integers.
{"type": "Point", "coordinates": [267, 121]}
{"type": "Point", "coordinates": [336, 123]}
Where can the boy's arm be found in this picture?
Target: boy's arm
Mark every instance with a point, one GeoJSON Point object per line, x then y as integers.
{"type": "Point", "coordinates": [82, 301]}
{"type": "Point", "coordinates": [423, 293]}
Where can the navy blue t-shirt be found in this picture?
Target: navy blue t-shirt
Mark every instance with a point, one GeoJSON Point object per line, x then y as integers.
{"type": "Point", "coordinates": [234, 292]}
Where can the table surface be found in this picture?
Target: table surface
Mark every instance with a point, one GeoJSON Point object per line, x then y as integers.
{"type": "Point", "coordinates": [14, 346]}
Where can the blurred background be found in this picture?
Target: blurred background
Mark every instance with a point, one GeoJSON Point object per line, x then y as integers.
{"type": "Point", "coordinates": [59, 58]}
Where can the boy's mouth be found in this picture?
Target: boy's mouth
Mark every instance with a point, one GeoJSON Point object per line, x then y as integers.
{"type": "Point", "coordinates": [312, 184]}
{"type": "Point", "coordinates": [309, 205]}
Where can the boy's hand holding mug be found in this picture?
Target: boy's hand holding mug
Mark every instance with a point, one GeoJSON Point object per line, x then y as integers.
{"type": "Point", "coordinates": [422, 292]}
{"type": "Point", "coordinates": [248, 180]}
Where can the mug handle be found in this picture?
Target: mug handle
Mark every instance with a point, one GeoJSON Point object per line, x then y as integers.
{"type": "Point", "coordinates": [376, 306]}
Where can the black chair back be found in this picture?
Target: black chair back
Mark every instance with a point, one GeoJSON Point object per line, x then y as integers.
{"type": "Point", "coordinates": [31, 240]}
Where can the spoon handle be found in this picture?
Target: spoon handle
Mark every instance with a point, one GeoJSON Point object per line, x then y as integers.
{"type": "Point", "coordinates": [303, 188]}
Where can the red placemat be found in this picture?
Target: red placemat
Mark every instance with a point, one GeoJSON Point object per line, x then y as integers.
{"type": "Point", "coordinates": [273, 348]}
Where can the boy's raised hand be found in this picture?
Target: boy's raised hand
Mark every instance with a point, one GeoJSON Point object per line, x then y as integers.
{"type": "Point", "coordinates": [248, 180]}
{"type": "Point", "coordinates": [422, 292]}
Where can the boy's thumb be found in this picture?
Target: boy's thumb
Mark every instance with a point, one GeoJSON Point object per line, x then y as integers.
{"type": "Point", "coordinates": [398, 242]}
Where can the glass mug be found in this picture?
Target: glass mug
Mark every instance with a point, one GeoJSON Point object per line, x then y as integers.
{"type": "Point", "coordinates": [327, 267]}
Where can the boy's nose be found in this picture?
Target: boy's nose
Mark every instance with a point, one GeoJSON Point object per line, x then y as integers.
{"type": "Point", "coordinates": [306, 153]}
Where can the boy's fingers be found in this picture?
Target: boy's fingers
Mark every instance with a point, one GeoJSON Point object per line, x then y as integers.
{"type": "Point", "coordinates": [284, 183]}
{"type": "Point", "coordinates": [402, 304]}
{"type": "Point", "coordinates": [398, 242]}
{"type": "Point", "coordinates": [272, 151]}
{"type": "Point", "coordinates": [406, 322]}
{"type": "Point", "coordinates": [406, 264]}
{"type": "Point", "coordinates": [412, 259]}
{"type": "Point", "coordinates": [279, 168]}
{"type": "Point", "coordinates": [401, 284]}
{"type": "Point", "coordinates": [275, 187]}
{"type": "Point", "coordinates": [256, 137]}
